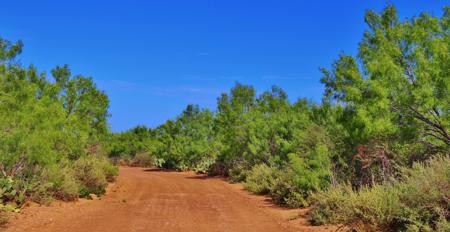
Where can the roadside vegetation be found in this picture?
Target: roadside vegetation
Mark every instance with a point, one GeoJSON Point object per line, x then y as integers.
{"type": "Point", "coordinates": [373, 156]}
{"type": "Point", "coordinates": [52, 134]}
{"type": "Point", "coordinates": [417, 201]}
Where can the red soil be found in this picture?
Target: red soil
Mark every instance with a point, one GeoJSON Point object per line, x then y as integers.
{"type": "Point", "coordinates": [150, 200]}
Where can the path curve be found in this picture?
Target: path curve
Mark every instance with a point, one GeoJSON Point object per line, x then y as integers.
{"type": "Point", "coordinates": [150, 200]}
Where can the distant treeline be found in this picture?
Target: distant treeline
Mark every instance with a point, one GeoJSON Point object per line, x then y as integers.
{"type": "Point", "coordinates": [373, 156]}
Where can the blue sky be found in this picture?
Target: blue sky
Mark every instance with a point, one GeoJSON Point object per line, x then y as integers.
{"type": "Point", "coordinates": [154, 57]}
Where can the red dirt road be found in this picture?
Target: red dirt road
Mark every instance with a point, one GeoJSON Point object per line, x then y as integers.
{"type": "Point", "coordinates": [149, 200]}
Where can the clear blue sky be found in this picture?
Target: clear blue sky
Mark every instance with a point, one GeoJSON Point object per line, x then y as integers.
{"type": "Point", "coordinates": [154, 57]}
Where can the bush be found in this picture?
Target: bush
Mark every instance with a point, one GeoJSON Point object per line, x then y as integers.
{"type": "Point", "coordinates": [327, 204]}
{"type": "Point", "coordinates": [419, 202]}
{"type": "Point", "coordinates": [279, 184]}
{"type": "Point", "coordinates": [294, 199]}
{"type": "Point", "coordinates": [62, 182]}
{"type": "Point", "coordinates": [238, 173]}
{"type": "Point", "coordinates": [285, 192]}
{"type": "Point", "coordinates": [425, 192]}
{"type": "Point", "coordinates": [290, 186]}
{"type": "Point", "coordinates": [93, 174]}
{"type": "Point", "coordinates": [260, 179]}
{"type": "Point", "coordinates": [45, 126]}
{"type": "Point", "coordinates": [54, 181]}
{"type": "Point", "coordinates": [301, 175]}
{"type": "Point", "coordinates": [109, 169]}
{"type": "Point", "coordinates": [312, 172]}
{"type": "Point", "coordinates": [204, 165]}
{"type": "Point", "coordinates": [369, 209]}
{"type": "Point", "coordinates": [39, 188]}
{"type": "Point", "coordinates": [65, 180]}
{"type": "Point", "coordinates": [7, 191]}
{"type": "Point", "coordinates": [217, 169]}
{"type": "Point", "coordinates": [11, 190]}
{"type": "Point", "coordinates": [143, 160]}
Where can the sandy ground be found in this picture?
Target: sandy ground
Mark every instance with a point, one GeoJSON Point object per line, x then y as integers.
{"type": "Point", "coordinates": [151, 200]}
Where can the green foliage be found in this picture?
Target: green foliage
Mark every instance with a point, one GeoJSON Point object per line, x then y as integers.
{"type": "Point", "coordinates": [45, 127]}
{"type": "Point", "coordinates": [61, 182]}
{"type": "Point", "coordinates": [7, 190]}
{"type": "Point", "coordinates": [285, 192]}
{"type": "Point", "coordinates": [237, 174]}
{"type": "Point", "coordinates": [328, 205]}
{"type": "Point", "coordinates": [260, 179]}
{"type": "Point", "coordinates": [204, 164]}
{"type": "Point", "coordinates": [305, 172]}
{"type": "Point", "coordinates": [425, 193]}
{"type": "Point", "coordinates": [110, 170]}
{"type": "Point", "coordinates": [419, 202]}
{"type": "Point", "coordinates": [383, 110]}
{"type": "Point", "coordinates": [394, 95]}
{"type": "Point", "coordinates": [125, 146]}
{"type": "Point", "coordinates": [93, 174]}
{"type": "Point", "coordinates": [312, 169]}
{"type": "Point", "coordinates": [369, 209]}
{"type": "Point", "coordinates": [144, 160]}
{"type": "Point", "coordinates": [10, 192]}
{"type": "Point", "coordinates": [185, 143]}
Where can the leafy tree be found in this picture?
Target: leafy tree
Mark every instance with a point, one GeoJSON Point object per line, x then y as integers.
{"type": "Point", "coordinates": [45, 128]}
{"type": "Point", "coordinates": [382, 110]}
{"type": "Point", "coordinates": [395, 93]}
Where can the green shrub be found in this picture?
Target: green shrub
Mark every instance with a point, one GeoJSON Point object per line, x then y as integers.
{"type": "Point", "coordinates": [425, 192]}
{"type": "Point", "coordinates": [92, 173]}
{"type": "Point", "coordinates": [7, 191]}
{"type": "Point", "coordinates": [11, 190]}
{"type": "Point", "coordinates": [110, 170]}
{"type": "Point", "coordinates": [238, 173]}
{"type": "Point", "coordinates": [328, 204]}
{"type": "Point", "coordinates": [204, 165]}
{"type": "Point", "coordinates": [285, 192]}
{"type": "Point", "coordinates": [302, 175]}
{"type": "Point", "coordinates": [419, 202]}
{"type": "Point", "coordinates": [65, 180]}
{"type": "Point", "coordinates": [260, 179]}
{"type": "Point", "coordinates": [42, 184]}
{"type": "Point", "coordinates": [39, 189]}
{"type": "Point", "coordinates": [312, 172]}
{"type": "Point", "coordinates": [217, 169]}
{"type": "Point", "coordinates": [9, 207]}
{"type": "Point", "coordinates": [143, 159]}
{"type": "Point", "coordinates": [374, 209]}
{"type": "Point", "coordinates": [62, 182]}
{"type": "Point", "coordinates": [279, 184]}
{"type": "Point", "coordinates": [123, 160]}
{"type": "Point", "coordinates": [369, 209]}
{"type": "Point", "coordinates": [295, 199]}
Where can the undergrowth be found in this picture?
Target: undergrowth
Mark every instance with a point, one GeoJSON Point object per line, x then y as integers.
{"type": "Point", "coordinates": [419, 201]}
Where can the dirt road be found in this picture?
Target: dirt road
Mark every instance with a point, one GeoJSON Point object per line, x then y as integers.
{"type": "Point", "coordinates": [149, 200]}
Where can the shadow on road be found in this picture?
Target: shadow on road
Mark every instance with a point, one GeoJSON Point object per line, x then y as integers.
{"type": "Point", "coordinates": [157, 170]}
{"type": "Point", "coordinates": [205, 177]}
